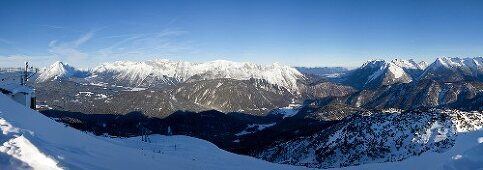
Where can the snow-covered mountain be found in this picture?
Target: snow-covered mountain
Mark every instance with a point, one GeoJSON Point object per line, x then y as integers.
{"type": "Point", "coordinates": [446, 83]}
{"type": "Point", "coordinates": [455, 69]}
{"type": "Point", "coordinates": [139, 73]}
{"type": "Point", "coordinates": [59, 70]}
{"type": "Point", "coordinates": [256, 89]}
{"type": "Point", "coordinates": [221, 85]}
{"type": "Point", "coordinates": [375, 73]}
{"type": "Point", "coordinates": [165, 72]}
{"type": "Point", "coordinates": [33, 141]}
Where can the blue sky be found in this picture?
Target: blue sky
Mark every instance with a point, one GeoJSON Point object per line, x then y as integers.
{"type": "Point", "coordinates": [297, 33]}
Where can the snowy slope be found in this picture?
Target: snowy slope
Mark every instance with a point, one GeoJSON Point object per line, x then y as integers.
{"type": "Point", "coordinates": [137, 72]}
{"type": "Point", "coordinates": [466, 154]}
{"type": "Point", "coordinates": [409, 64]}
{"type": "Point", "coordinates": [31, 140]}
{"type": "Point", "coordinates": [372, 138]}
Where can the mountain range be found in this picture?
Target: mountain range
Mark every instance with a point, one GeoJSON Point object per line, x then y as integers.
{"type": "Point", "coordinates": [383, 111]}
{"type": "Point", "coordinates": [172, 85]}
{"type": "Point", "coordinates": [154, 72]}
{"type": "Point", "coordinates": [373, 73]}
{"type": "Point", "coordinates": [257, 89]}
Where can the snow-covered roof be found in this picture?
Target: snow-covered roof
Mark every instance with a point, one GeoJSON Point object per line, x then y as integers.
{"type": "Point", "coordinates": [15, 87]}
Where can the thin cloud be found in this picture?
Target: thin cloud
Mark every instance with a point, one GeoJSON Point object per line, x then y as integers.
{"type": "Point", "coordinates": [83, 39]}
{"type": "Point", "coordinates": [69, 50]}
{"type": "Point", "coordinates": [147, 44]}
{"type": "Point", "coordinates": [164, 33]}
{"type": "Point", "coordinates": [5, 41]}
{"type": "Point", "coordinates": [51, 26]}
{"type": "Point", "coordinates": [17, 60]}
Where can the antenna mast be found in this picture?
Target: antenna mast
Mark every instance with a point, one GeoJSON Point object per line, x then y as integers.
{"type": "Point", "coordinates": [26, 74]}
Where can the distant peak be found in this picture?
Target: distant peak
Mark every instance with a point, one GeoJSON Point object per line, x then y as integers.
{"type": "Point", "coordinates": [57, 70]}
{"type": "Point", "coordinates": [374, 63]}
{"type": "Point", "coordinates": [58, 63]}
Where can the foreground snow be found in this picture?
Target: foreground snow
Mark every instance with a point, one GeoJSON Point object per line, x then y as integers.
{"type": "Point", "coordinates": [31, 140]}
{"type": "Point", "coordinates": [466, 154]}
{"type": "Point", "coordinates": [374, 138]}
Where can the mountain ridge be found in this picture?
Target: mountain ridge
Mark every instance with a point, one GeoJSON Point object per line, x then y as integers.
{"type": "Point", "coordinates": [145, 73]}
{"type": "Point", "coordinates": [376, 73]}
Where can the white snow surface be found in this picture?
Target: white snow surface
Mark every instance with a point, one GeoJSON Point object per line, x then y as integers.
{"type": "Point", "coordinates": [15, 87]}
{"type": "Point", "coordinates": [410, 64]}
{"type": "Point", "coordinates": [288, 111]}
{"type": "Point", "coordinates": [397, 71]}
{"type": "Point", "coordinates": [259, 127]}
{"type": "Point", "coordinates": [33, 141]}
{"type": "Point", "coordinates": [466, 154]}
{"type": "Point", "coordinates": [472, 64]}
